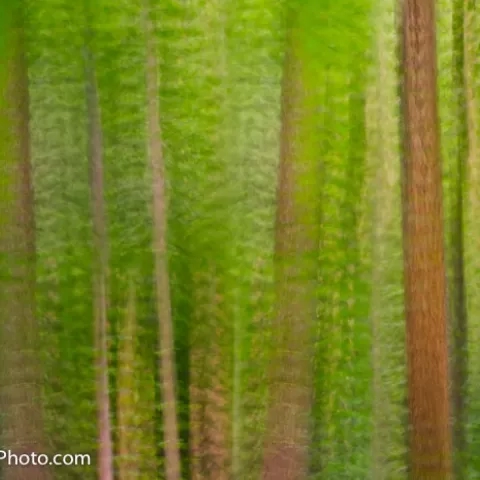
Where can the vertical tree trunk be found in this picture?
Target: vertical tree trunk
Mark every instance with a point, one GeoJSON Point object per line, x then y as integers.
{"type": "Point", "coordinates": [100, 275]}
{"type": "Point", "coordinates": [164, 311]}
{"type": "Point", "coordinates": [136, 457]}
{"type": "Point", "coordinates": [197, 404]}
{"type": "Point", "coordinates": [457, 283]}
{"type": "Point", "coordinates": [210, 399]}
{"type": "Point", "coordinates": [21, 400]}
{"type": "Point", "coordinates": [127, 433]}
{"type": "Point", "coordinates": [424, 264]}
{"type": "Point", "coordinates": [296, 250]}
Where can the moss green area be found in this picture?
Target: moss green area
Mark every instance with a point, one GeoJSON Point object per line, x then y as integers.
{"type": "Point", "coordinates": [221, 65]}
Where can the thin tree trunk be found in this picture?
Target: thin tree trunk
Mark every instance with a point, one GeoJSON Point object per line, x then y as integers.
{"type": "Point", "coordinates": [164, 310]}
{"type": "Point", "coordinates": [126, 405]}
{"type": "Point", "coordinates": [296, 249]}
{"type": "Point", "coordinates": [198, 387]}
{"type": "Point", "coordinates": [210, 398]}
{"type": "Point", "coordinates": [135, 400]}
{"type": "Point", "coordinates": [254, 356]}
{"type": "Point", "coordinates": [457, 284]}
{"type": "Point", "coordinates": [424, 263]}
{"type": "Point", "coordinates": [100, 275]}
{"type": "Point", "coordinates": [21, 399]}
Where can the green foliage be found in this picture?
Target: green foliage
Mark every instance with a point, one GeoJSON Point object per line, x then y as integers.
{"type": "Point", "coordinates": [220, 69]}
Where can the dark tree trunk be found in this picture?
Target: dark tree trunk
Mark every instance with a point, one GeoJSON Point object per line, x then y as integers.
{"type": "Point", "coordinates": [21, 400]}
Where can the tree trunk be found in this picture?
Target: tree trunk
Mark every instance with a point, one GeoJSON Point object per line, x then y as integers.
{"type": "Point", "coordinates": [164, 311]}
{"type": "Point", "coordinates": [126, 393]}
{"type": "Point", "coordinates": [424, 265]}
{"type": "Point", "coordinates": [21, 399]}
{"type": "Point", "coordinates": [296, 250]}
{"type": "Point", "coordinates": [135, 400]}
{"type": "Point", "coordinates": [210, 399]}
{"type": "Point", "coordinates": [100, 275]}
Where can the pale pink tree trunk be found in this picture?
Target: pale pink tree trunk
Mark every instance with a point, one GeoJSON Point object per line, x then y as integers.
{"type": "Point", "coordinates": [100, 275]}
{"type": "Point", "coordinates": [167, 368]}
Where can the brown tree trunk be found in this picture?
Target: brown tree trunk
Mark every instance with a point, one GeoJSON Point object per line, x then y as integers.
{"type": "Point", "coordinates": [424, 264]}
{"type": "Point", "coordinates": [100, 276]}
{"type": "Point", "coordinates": [210, 402]}
{"type": "Point", "coordinates": [164, 310]}
{"type": "Point", "coordinates": [21, 400]}
{"type": "Point", "coordinates": [457, 283]}
{"type": "Point", "coordinates": [296, 250]}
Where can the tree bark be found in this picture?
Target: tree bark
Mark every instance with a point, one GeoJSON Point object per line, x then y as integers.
{"type": "Point", "coordinates": [424, 264]}
{"type": "Point", "coordinates": [164, 311]}
{"type": "Point", "coordinates": [21, 399]}
{"type": "Point", "coordinates": [100, 267]}
{"type": "Point", "coordinates": [296, 250]}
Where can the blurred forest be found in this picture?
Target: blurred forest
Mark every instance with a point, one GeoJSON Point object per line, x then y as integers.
{"type": "Point", "coordinates": [239, 239]}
